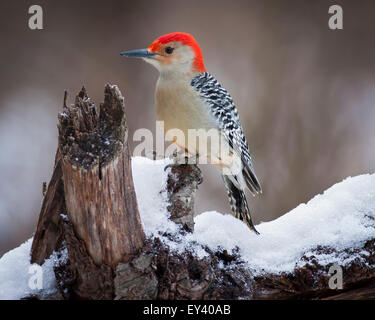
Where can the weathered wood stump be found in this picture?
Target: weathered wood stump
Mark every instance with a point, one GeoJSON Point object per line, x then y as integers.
{"type": "Point", "coordinates": [92, 187]}
{"type": "Point", "coordinates": [98, 184]}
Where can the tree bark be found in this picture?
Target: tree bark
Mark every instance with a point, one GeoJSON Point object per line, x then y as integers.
{"type": "Point", "coordinates": [48, 229]}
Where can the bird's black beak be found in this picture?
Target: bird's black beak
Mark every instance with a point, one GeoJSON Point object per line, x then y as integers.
{"type": "Point", "coordinates": [139, 53]}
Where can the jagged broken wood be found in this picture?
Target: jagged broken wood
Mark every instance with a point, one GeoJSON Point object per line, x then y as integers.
{"type": "Point", "coordinates": [98, 184]}
{"type": "Point", "coordinates": [89, 219]}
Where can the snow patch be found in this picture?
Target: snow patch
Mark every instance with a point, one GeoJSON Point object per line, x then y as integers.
{"type": "Point", "coordinates": [149, 182]}
{"type": "Point", "coordinates": [14, 274]}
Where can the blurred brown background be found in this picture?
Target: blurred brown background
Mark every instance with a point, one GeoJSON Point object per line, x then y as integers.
{"type": "Point", "coordinates": [305, 93]}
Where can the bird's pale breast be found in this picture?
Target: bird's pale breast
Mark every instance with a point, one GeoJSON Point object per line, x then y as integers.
{"type": "Point", "coordinates": [178, 105]}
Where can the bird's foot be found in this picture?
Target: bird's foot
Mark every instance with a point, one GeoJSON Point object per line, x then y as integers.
{"type": "Point", "coordinates": [182, 160]}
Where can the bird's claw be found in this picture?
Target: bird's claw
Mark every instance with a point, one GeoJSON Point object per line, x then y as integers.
{"type": "Point", "coordinates": [171, 165]}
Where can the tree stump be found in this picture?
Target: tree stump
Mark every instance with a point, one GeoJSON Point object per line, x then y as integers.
{"type": "Point", "coordinates": [90, 205]}
{"type": "Point", "coordinates": [98, 184]}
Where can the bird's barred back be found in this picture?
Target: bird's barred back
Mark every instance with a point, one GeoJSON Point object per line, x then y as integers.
{"type": "Point", "coordinates": [224, 110]}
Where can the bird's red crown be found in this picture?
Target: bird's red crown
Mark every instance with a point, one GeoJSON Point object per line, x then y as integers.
{"type": "Point", "coordinates": [185, 39]}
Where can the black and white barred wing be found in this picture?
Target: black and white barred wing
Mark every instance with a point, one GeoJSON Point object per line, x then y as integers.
{"type": "Point", "coordinates": [224, 110]}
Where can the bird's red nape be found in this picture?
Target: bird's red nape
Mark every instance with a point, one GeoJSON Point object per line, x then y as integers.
{"type": "Point", "coordinates": [185, 39]}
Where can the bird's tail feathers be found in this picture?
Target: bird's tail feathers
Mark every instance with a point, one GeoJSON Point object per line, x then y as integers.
{"type": "Point", "coordinates": [238, 202]}
{"type": "Point", "coordinates": [252, 181]}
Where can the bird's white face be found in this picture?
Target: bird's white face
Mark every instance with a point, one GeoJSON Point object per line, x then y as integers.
{"type": "Point", "coordinates": [172, 57]}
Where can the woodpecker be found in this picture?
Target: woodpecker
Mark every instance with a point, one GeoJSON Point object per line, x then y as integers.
{"type": "Point", "coordinates": [188, 97]}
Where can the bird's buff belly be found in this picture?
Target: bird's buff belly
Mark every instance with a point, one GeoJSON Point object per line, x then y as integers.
{"type": "Point", "coordinates": [181, 121]}
{"type": "Point", "coordinates": [194, 135]}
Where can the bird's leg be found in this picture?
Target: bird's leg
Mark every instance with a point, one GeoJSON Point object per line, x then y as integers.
{"type": "Point", "coordinates": [154, 155]}
{"type": "Point", "coordinates": [191, 160]}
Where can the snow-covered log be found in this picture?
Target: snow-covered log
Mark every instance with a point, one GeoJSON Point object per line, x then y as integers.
{"type": "Point", "coordinates": [216, 257]}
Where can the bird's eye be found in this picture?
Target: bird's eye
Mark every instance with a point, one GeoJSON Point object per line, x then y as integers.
{"type": "Point", "coordinates": [169, 50]}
